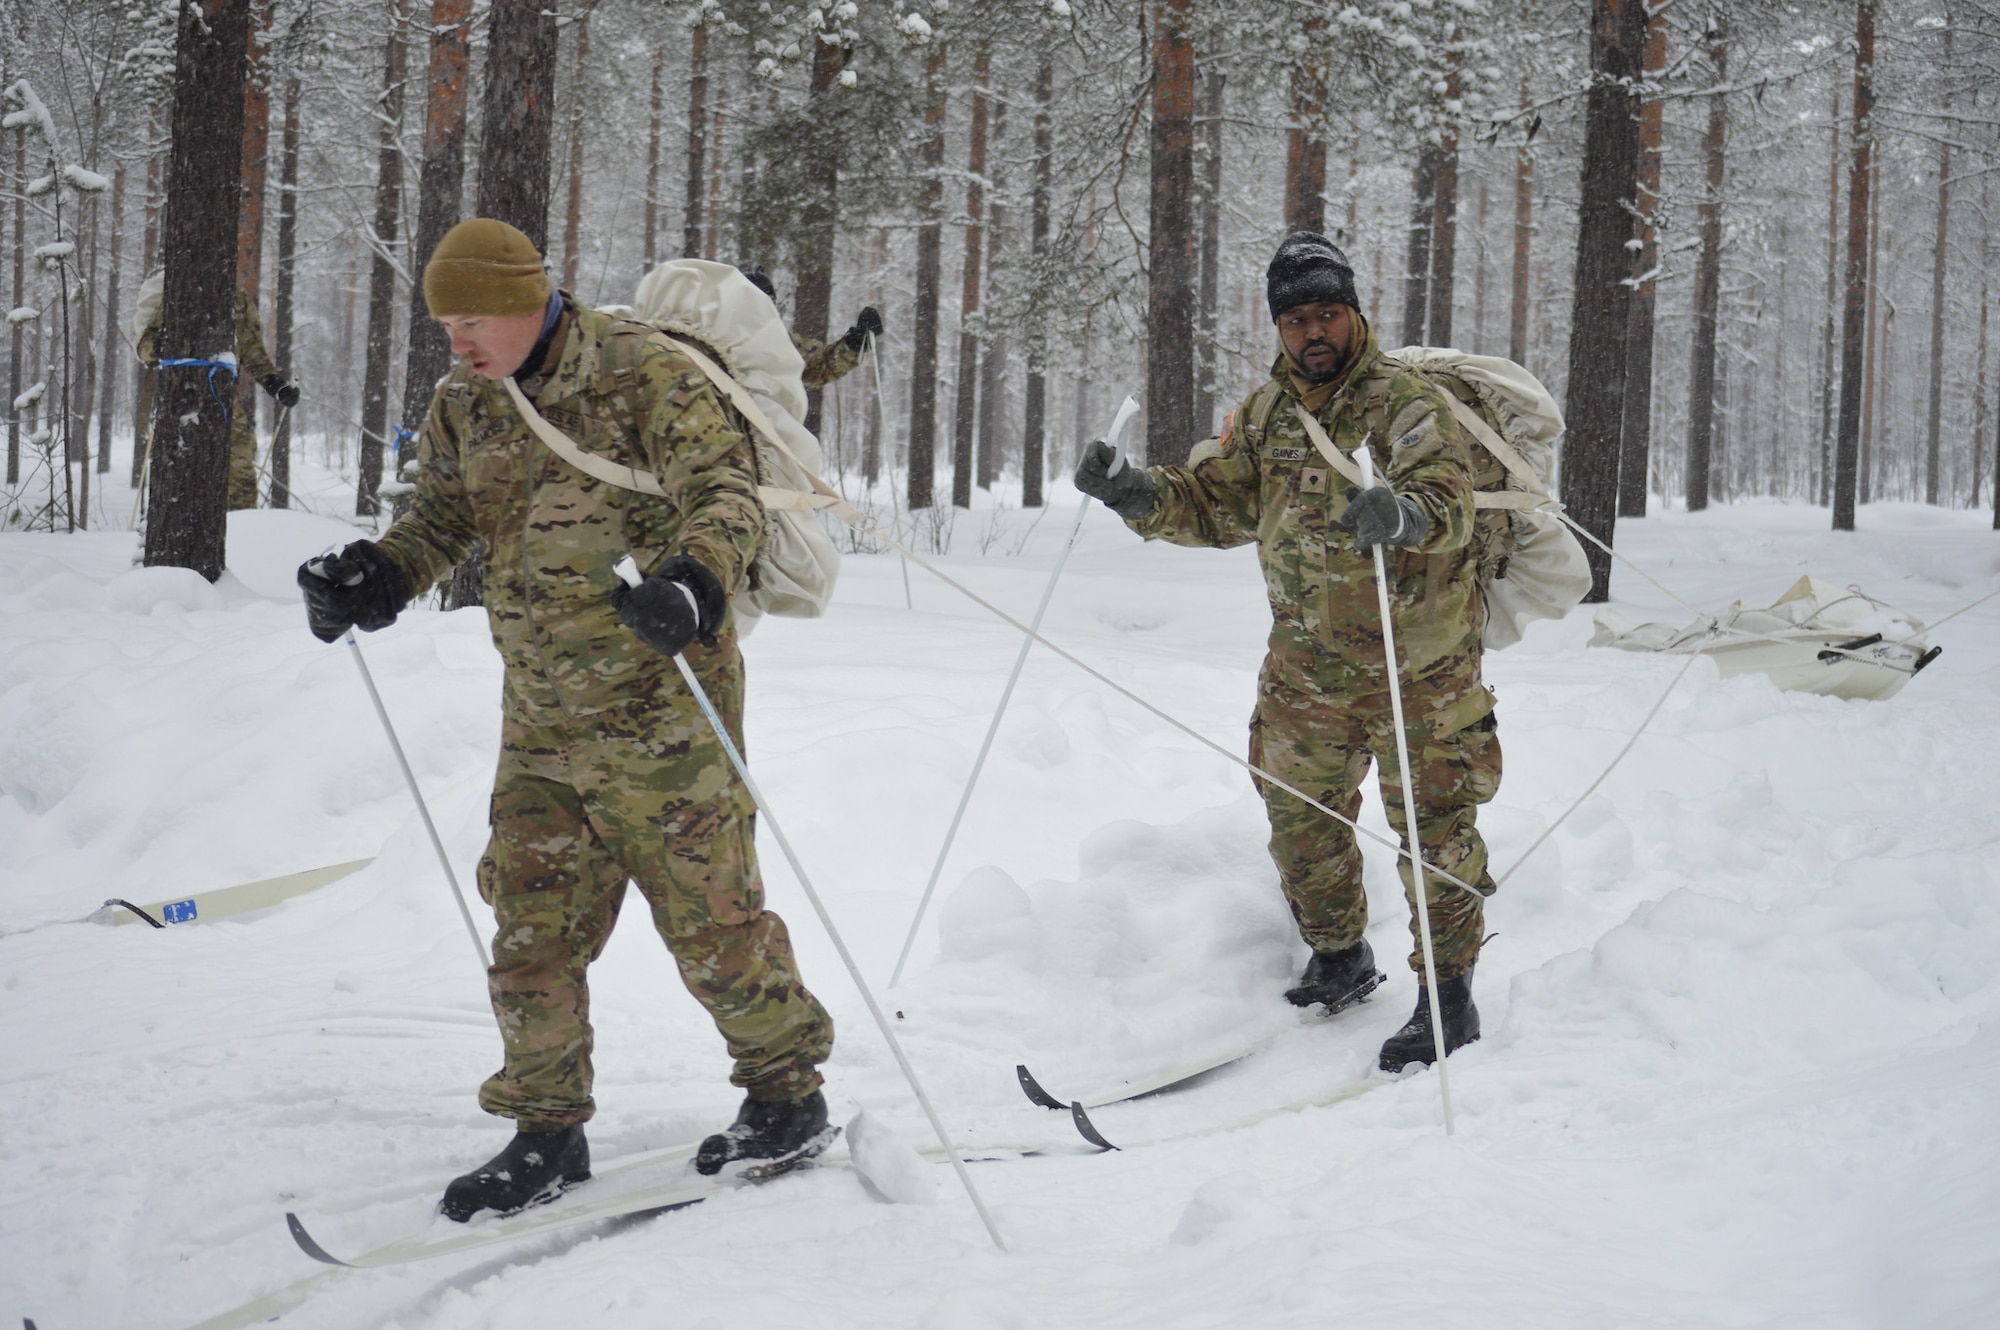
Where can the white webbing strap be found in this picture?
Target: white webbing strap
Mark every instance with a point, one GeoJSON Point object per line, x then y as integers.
{"type": "Point", "coordinates": [603, 468]}
{"type": "Point", "coordinates": [1532, 498]}
{"type": "Point", "coordinates": [739, 396]}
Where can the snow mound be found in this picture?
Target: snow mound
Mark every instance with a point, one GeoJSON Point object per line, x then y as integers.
{"type": "Point", "coordinates": [889, 1165]}
{"type": "Point", "coordinates": [153, 590]}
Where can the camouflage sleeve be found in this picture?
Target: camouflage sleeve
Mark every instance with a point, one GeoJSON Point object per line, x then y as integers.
{"type": "Point", "coordinates": [253, 362]}
{"type": "Point", "coordinates": [825, 361]}
{"type": "Point", "coordinates": [702, 452]}
{"type": "Point", "coordinates": [1215, 501]}
{"type": "Point", "coordinates": [436, 532]}
{"type": "Point", "coordinates": [1431, 460]}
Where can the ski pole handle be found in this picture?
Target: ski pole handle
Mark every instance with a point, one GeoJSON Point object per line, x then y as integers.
{"type": "Point", "coordinates": [628, 572]}
{"type": "Point", "coordinates": [1115, 436]}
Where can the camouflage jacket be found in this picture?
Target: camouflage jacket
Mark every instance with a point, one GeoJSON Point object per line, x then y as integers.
{"type": "Point", "coordinates": [825, 361]}
{"type": "Point", "coordinates": [1270, 485]}
{"type": "Point", "coordinates": [553, 533]}
{"type": "Point", "coordinates": [253, 362]}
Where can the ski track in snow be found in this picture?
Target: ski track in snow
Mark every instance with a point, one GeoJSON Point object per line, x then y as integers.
{"type": "Point", "coordinates": [1740, 1053]}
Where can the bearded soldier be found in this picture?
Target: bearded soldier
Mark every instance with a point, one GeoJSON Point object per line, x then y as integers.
{"type": "Point", "coordinates": [608, 770]}
{"type": "Point", "coordinates": [1323, 704]}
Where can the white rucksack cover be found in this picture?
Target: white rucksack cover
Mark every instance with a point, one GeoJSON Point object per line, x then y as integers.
{"type": "Point", "coordinates": [152, 294]}
{"type": "Point", "coordinates": [717, 306]}
{"type": "Point", "coordinates": [1547, 575]}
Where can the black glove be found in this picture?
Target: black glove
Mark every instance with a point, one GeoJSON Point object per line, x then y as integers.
{"type": "Point", "coordinates": [282, 388]}
{"type": "Point", "coordinates": [676, 604]}
{"type": "Point", "coordinates": [867, 324]}
{"type": "Point", "coordinates": [360, 587]}
{"type": "Point", "coordinates": [1380, 516]}
{"type": "Point", "coordinates": [1129, 493]}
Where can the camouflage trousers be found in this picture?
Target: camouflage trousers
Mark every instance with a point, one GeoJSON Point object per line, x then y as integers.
{"type": "Point", "coordinates": [643, 791]}
{"type": "Point", "coordinates": [243, 451]}
{"type": "Point", "coordinates": [1323, 745]}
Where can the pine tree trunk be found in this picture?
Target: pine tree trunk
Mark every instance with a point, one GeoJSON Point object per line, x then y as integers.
{"type": "Point", "coordinates": [190, 473]}
{"type": "Point", "coordinates": [1035, 414]}
{"type": "Point", "coordinates": [1938, 264]}
{"type": "Point", "coordinates": [1708, 282]}
{"type": "Point", "coordinates": [281, 302]}
{"type": "Point", "coordinates": [656, 115]}
{"type": "Point", "coordinates": [993, 365]}
{"type": "Point", "coordinates": [15, 335]}
{"type": "Point", "coordinates": [1854, 310]}
{"type": "Point", "coordinates": [1602, 311]}
{"type": "Point", "coordinates": [871, 438]}
{"type": "Point", "coordinates": [1211, 248]}
{"type": "Point", "coordinates": [107, 404]}
{"type": "Point", "coordinates": [1305, 143]}
{"type": "Point", "coordinates": [382, 272]}
{"type": "Point", "coordinates": [1417, 263]}
{"type": "Point", "coordinates": [922, 481]}
{"type": "Point", "coordinates": [256, 160]}
{"type": "Point", "coordinates": [573, 212]}
{"type": "Point", "coordinates": [142, 374]}
{"type": "Point", "coordinates": [440, 187]}
{"type": "Point", "coordinates": [819, 219]}
{"type": "Point", "coordinates": [1444, 218]}
{"type": "Point", "coordinates": [1170, 281]}
{"type": "Point", "coordinates": [1636, 431]}
{"type": "Point", "coordinates": [697, 143]}
{"type": "Point", "coordinates": [1870, 365]}
{"type": "Point", "coordinates": [964, 416]}
{"type": "Point", "coordinates": [1524, 237]}
{"type": "Point", "coordinates": [83, 381]}
{"type": "Point", "coordinates": [516, 114]}
{"type": "Point", "coordinates": [1824, 492]}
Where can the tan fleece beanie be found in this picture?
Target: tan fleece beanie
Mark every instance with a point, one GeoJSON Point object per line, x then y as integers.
{"type": "Point", "coordinates": [485, 267]}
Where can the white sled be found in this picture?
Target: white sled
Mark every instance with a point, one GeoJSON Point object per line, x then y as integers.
{"type": "Point", "coordinates": [1816, 638]}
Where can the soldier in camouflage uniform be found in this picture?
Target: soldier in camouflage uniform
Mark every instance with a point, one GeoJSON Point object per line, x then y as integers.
{"type": "Point", "coordinates": [825, 361]}
{"type": "Point", "coordinates": [608, 770]}
{"type": "Point", "coordinates": [1323, 706]}
{"type": "Point", "coordinates": [253, 365]}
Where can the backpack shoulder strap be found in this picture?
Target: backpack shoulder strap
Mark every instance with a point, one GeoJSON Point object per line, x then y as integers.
{"type": "Point", "coordinates": [739, 397]}
{"type": "Point", "coordinates": [559, 443]}
{"type": "Point", "coordinates": [1532, 494]}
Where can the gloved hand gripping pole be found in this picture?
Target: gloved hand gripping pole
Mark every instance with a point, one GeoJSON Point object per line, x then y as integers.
{"type": "Point", "coordinates": [1366, 461]}
{"type": "Point", "coordinates": [627, 569]}
{"type": "Point", "coordinates": [1115, 436]}
{"type": "Point", "coordinates": [423, 809]}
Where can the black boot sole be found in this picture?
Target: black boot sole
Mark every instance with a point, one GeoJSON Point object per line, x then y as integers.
{"type": "Point", "coordinates": [760, 1168]}
{"type": "Point", "coordinates": [542, 1197]}
{"type": "Point", "coordinates": [1335, 1002]}
{"type": "Point", "coordinates": [1424, 1057]}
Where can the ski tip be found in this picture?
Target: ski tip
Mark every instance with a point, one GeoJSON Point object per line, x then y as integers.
{"type": "Point", "coordinates": [1033, 1089]}
{"type": "Point", "coordinates": [306, 1242]}
{"type": "Point", "coordinates": [1088, 1129]}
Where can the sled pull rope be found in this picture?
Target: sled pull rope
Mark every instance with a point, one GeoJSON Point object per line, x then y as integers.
{"type": "Point", "coordinates": [1116, 437]}
{"type": "Point", "coordinates": [628, 570]}
{"type": "Point", "coordinates": [1411, 831]}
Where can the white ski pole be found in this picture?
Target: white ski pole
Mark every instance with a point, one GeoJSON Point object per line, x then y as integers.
{"type": "Point", "coordinates": [1115, 436]}
{"type": "Point", "coordinates": [423, 809]}
{"type": "Point", "coordinates": [627, 569]}
{"type": "Point", "coordinates": [1366, 461]}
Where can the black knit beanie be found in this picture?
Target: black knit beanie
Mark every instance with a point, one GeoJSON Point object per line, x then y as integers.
{"type": "Point", "coordinates": [1307, 269]}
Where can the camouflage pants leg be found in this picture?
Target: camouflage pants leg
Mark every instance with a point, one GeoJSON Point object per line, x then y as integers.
{"type": "Point", "coordinates": [243, 450]}
{"type": "Point", "coordinates": [643, 792]}
{"type": "Point", "coordinates": [1323, 746]}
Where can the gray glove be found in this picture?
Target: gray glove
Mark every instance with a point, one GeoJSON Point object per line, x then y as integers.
{"type": "Point", "coordinates": [1129, 493]}
{"type": "Point", "coordinates": [1380, 516]}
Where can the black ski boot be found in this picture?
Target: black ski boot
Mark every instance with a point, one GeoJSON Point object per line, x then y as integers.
{"type": "Point", "coordinates": [1337, 978]}
{"type": "Point", "coordinates": [1413, 1043]}
{"type": "Point", "coordinates": [776, 1135]}
{"type": "Point", "coordinates": [536, 1166]}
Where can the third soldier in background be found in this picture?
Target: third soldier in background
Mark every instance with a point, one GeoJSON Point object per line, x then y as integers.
{"type": "Point", "coordinates": [1323, 706]}
{"type": "Point", "coordinates": [825, 361]}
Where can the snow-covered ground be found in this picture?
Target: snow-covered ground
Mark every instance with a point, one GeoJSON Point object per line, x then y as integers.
{"type": "Point", "coordinates": [1741, 1058]}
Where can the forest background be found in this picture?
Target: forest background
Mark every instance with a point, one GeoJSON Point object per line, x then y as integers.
{"type": "Point", "coordinates": [1748, 245]}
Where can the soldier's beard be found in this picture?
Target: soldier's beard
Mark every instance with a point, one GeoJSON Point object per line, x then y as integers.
{"type": "Point", "coordinates": [1336, 366]}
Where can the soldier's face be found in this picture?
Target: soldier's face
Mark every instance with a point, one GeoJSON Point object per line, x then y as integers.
{"type": "Point", "coordinates": [1317, 337]}
{"type": "Point", "coordinates": [492, 346]}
